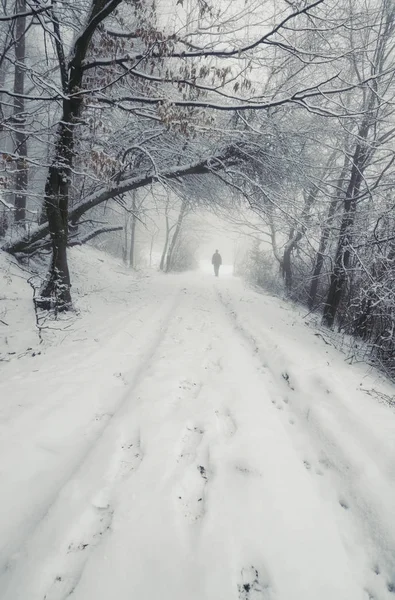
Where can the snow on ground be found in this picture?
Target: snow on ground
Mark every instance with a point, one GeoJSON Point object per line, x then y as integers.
{"type": "Point", "coordinates": [188, 438]}
{"type": "Point", "coordinates": [206, 267]}
{"type": "Point", "coordinates": [17, 320]}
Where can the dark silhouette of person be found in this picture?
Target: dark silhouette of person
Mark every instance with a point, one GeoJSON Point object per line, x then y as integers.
{"type": "Point", "coordinates": [217, 262]}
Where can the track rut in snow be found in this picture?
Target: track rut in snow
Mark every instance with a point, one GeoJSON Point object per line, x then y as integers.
{"type": "Point", "coordinates": [97, 518]}
{"type": "Point", "coordinates": [211, 480]}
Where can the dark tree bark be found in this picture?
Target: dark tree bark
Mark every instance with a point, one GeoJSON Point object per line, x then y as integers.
{"type": "Point", "coordinates": [21, 178]}
{"type": "Point", "coordinates": [56, 290]}
{"type": "Point", "coordinates": [57, 287]}
{"type": "Point", "coordinates": [319, 261]}
{"type": "Point", "coordinates": [343, 251]}
{"type": "Point", "coordinates": [286, 264]}
{"type": "Point", "coordinates": [361, 325]}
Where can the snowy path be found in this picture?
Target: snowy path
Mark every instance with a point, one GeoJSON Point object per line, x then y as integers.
{"type": "Point", "coordinates": [213, 448]}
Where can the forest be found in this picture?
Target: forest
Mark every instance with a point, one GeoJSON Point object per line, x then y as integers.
{"type": "Point", "coordinates": [277, 117]}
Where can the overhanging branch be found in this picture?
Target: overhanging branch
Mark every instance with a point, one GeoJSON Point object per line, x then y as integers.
{"type": "Point", "coordinates": [230, 155]}
{"type": "Point", "coordinates": [93, 234]}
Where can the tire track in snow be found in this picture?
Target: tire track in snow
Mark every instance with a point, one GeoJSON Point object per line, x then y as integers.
{"type": "Point", "coordinates": [211, 420]}
{"type": "Point", "coordinates": [89, 529]}
{"type": "Point", "coordinates": [18, 553]}
{"type": "Point", "coordinates": [93, 522]}
{"type": "Point", "coordinates": [329, 458]}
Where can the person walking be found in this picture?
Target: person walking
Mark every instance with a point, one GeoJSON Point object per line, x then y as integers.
{"type": "Point", "coordinates": [216, 262]}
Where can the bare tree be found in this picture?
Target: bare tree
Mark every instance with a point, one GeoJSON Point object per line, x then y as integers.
{"type": "Point", "coordinates": [21, 178]}
{"type": "Point", "coordinates": [58, 181]}
{"type": "Point", "coordinates": [367, 141]}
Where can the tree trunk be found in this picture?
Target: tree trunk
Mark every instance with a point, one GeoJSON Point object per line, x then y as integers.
{"type": "Point", "coordinates": [286, 266]}
{"type": "Point", "coordinates": [319, 261]}
{"type": "Point", "coordinates": [343, 252]}
{"type": "Point", "coordinates": [163, 257]}
{"type": "Point", "coordinates": [295, 237]}
{"type": "Point", "coordinates": [21, 178]}
{"type": "Point", "coordinates": [364, 150]}
{"type": "Point", "coordinates": [174, 239]}
{"type": "Point", "coordinates": [125, 247]}
{"type": "Point", "coordinates": [151, 248]}
{"type": "Point", "coordinates": [132, 233]}
{"type": "Point", "coordinates": [56, 290]}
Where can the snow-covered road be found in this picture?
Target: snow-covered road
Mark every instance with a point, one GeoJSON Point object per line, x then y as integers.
{"type": "Point", "coordinates": [208, 446]}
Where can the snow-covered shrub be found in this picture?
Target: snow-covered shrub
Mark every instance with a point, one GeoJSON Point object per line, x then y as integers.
{"type": "Point", "coordinates": [261, 269]}
{"type": "Point", "coordinates": [184, 257]}
{"type": "Point", "coordinates": [370, 313]}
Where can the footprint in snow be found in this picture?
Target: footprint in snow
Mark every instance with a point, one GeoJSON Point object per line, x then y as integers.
{"type": "Point", "coordinates": [130, 459]}
{"type": "Point", "coordinates": [247, 470]}
{"type": "Point", "coordinates": [94, 523]}
{"type": "Point", "coordinates": [343, 504]}
{"type": "Point", "coordinates": [254, 585]}
{"type": "Point", "coordinates": [185, 384]}
{"type": "Point", "coordinates": [287, 379]}
{"type": "Point", "coordinates": [309, 466]}
{"type": "Point", "coordinates": [226, 423]}
{"type": "Point", "coordinates": [376, 569]}
{"type": "Point", "coordinates": [214, 365]}
{"type": "Point", "coordinates": [189, 443]}
{"type": "Point", "coordinates": [121, 377]}
{"type": "Point", "coordinates": [191, 493]}
{"type": "Point", "coordinates": [390, 585]}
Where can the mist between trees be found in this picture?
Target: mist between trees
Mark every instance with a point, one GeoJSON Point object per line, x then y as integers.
{"type": "Point", "coordinates": [125, 115]}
